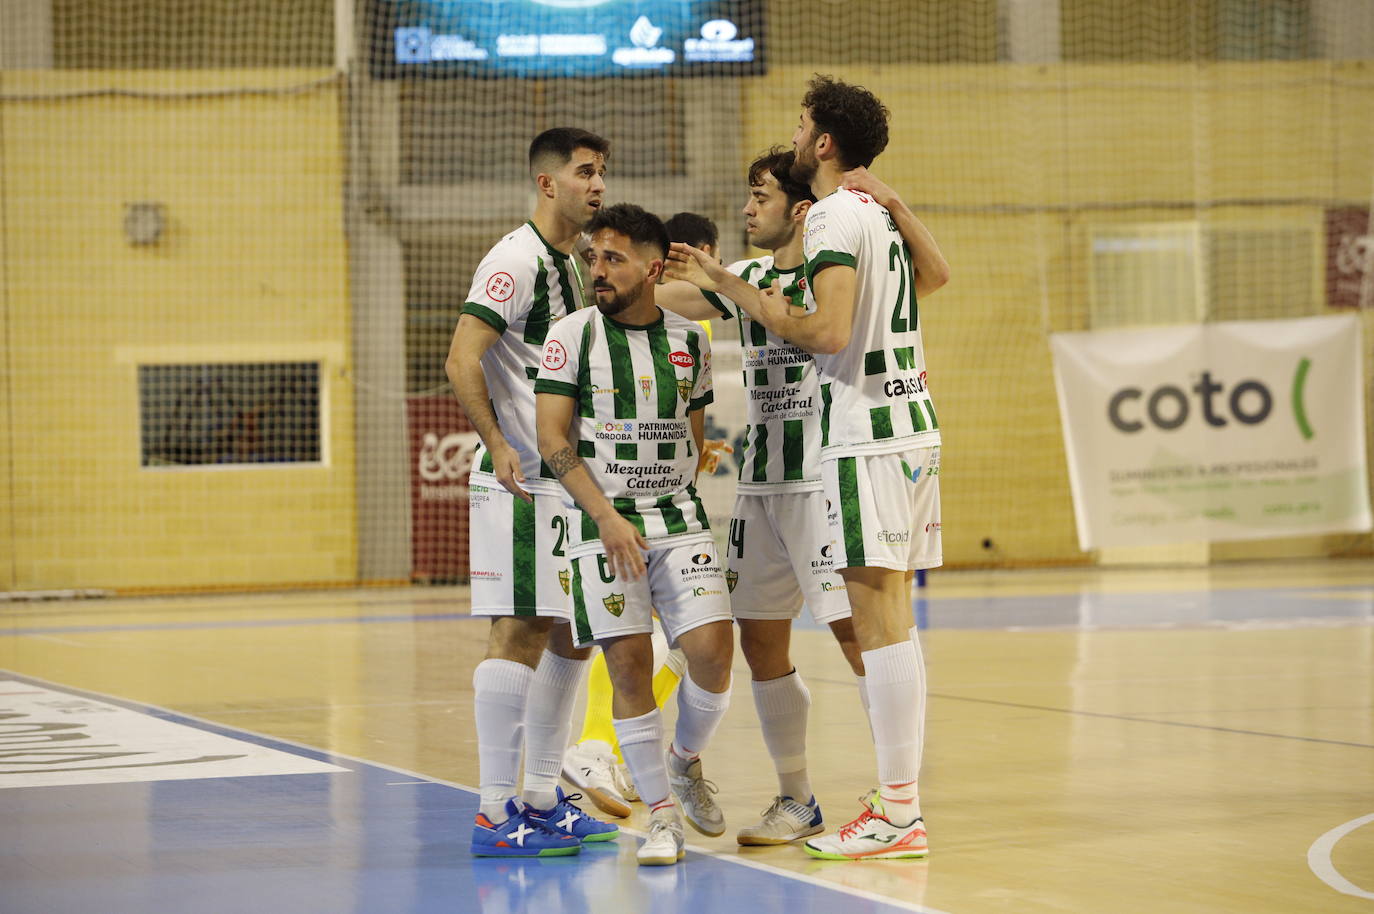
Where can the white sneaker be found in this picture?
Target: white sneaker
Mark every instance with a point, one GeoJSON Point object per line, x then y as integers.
{"type": "Point", "coordinates": [786, 820]}
{"type": "Point", "coordinates": [590, 765]}
{"type": "Point", "coordinates": [872, 836]}
{"type": "Point", "coordinates": [693, 793]}
{"type": "Point", "coordinates": [665, 845]}
{"type": "Point", "coordinates": [624, 783]}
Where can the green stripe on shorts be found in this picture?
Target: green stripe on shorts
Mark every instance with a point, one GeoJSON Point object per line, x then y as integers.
{"type": "Point", "coordinates": [851, 518]}
{"type": "Point", "coordinates": [584, 628]}
{"type": "Point", "coordinates": [523, 557]}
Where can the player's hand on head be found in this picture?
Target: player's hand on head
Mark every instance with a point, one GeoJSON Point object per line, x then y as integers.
{"type": "Point", "coordinates": [692, 265]}
{"type": "Point", "coordinates": [505, 465]}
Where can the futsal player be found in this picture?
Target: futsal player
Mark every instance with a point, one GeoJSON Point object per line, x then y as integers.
{"type": "Point", "coordinates": [594, 763]}
{"type": "Point", "coordinates": [621, 395]}
{"type": "Point", "coordinates": [524, 689]}
{"type": "Point", "coordinates": [880, 440]}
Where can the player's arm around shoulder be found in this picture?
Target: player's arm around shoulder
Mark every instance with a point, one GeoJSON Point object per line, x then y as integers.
{"type": "Point", "coordinates": [929, 268]}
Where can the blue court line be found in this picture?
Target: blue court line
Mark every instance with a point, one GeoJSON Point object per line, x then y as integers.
{"type": "Point", "coordinates": [1232, 603]}
{"type": "Point", "coordinates": [348, 841]}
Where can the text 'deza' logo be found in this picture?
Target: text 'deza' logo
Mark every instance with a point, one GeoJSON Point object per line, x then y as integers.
{"type": "Point", "coordinates": [681, 359]}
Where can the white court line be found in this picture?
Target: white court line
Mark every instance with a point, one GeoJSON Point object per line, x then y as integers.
{"type": "Point", "coordinates": [1319, 858]}
{"type": "Point", "coordinates": [717, 855]}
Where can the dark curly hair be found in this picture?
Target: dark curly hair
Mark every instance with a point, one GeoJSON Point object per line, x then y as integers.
{"type": "Point", "coordinates": [634, 222]}
{"type": "Point", "coordinates": [777, 161]}
{"type": "Point", "coordinates": [853, 117]}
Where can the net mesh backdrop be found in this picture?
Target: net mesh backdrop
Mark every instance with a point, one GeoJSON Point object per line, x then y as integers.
{"type": "Point", "coordinates": [236, 238]}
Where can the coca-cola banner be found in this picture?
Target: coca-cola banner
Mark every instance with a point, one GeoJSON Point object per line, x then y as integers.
{"type": "Point", "coordinates": [442, 443]}
{"type": "Point", "coordinates": [1349, 250]}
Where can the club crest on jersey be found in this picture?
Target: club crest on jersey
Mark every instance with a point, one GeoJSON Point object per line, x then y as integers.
{"type": "Point", "coordinates": [615, 603]}
{"type": "Point", "coordinates": [563, 579]}
{"type": "Point", "coordinates": [646, 385]}
{"type": "Point", "coordinates": [684, 389]}
{"type": "Point", "coordinates": [731, 579]}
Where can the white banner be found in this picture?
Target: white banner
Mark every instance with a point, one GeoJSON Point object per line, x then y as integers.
{"type": "Point", "coordinates": [1225, 431]}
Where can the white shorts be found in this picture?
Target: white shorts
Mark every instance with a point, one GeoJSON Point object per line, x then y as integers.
{"type": "Point", "coordinates": [884, 509]}
{"type": "Point", "coordinates": [779, 555]}
{"type": "Point", "coordinates": [683, 582]}
{"type": "Point", "coordinates": [515, 553]}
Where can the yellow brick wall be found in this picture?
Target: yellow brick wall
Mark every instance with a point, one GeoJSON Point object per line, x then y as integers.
{"type": "Point", "coordinates": [252, 267]}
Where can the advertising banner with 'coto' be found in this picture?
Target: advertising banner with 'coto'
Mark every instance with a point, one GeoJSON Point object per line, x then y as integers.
{"type": "Point", "coordinates": [1225, 431]}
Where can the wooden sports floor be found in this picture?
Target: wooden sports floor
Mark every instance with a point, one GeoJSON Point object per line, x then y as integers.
{"type": "Point", "coordinates": [1098, 741]}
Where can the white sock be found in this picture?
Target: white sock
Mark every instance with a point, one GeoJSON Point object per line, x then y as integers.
{"type": "Point", "coordinates": [499, 690]}
{"type": "Point", "coordinates": [920, 695]}
{"type": "Point", "coordinates": [698, 714]}
{"type": "Point", "coordinates": [641, 742]}
{"type": "Point", "coordinates": [863, 700]}
{"type": "Point", "coordinates": [892, 686]}
{"type": "Point", "coordinates": [783, 705]}
{"type": "Point", "coordinates": [548, 720]}
{"type": "Point", "coordinates": [675, 661]}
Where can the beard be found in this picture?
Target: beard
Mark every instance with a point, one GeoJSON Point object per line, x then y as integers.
{"type": "Point", "coordinates": [618, 302]}
{"type": "Point", "coordinates": [804, 166]}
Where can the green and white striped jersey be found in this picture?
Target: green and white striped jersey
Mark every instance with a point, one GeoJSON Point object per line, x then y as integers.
{"type": "Point", "coordinates": [873, 392]}
{"type": "Point", "coordinates": [634, 387]}
{"type": "Point", "coordinates": [782, 438]}
{"type": "Point", "coordinates": [520, 288]}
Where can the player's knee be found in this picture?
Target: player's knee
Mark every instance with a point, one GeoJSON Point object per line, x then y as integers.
{"type": "Point", "coordinates": [518, 638]}
{"type": "Point", "coordinates": [710, 652]}
{"type": "Point", "coordinates": [768, 657]}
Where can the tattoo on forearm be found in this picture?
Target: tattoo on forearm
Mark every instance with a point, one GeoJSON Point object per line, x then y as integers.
{"type": "Point", "coordinates": [564, 462]}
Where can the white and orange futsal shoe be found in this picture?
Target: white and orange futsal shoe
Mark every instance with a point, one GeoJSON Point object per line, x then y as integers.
{"type": "Point", "coordinates": [872, 836]}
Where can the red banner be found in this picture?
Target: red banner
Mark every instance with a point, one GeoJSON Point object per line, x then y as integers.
{"type": "Point", "coordinates": [1349, 249]}
{"type": "Point", "coordinates": [442, 443]}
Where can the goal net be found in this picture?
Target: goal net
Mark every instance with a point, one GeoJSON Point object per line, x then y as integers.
{"type": "Point", "coordinates": [236, 239]}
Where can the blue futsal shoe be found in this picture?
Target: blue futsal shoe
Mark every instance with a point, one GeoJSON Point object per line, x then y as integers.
{"type": "Point", "coordinates": [520, 836]}
{"type": "Point", "coordinates": [567, 819]}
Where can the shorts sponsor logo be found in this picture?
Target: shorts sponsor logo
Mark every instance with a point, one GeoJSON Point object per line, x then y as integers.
{"type": "Point", "coordinates": [828, 586]}
{"type": "Point", "coordinates": [563, 579]}
{"type": "Point", "coordinates": [731, 579]}
{"type": "Point", "coordinates": [614, 603]}
{"type": "Point", "coordinates": [500, 287]}
{"type": "Point", "coordinates": [684, 389]}
{"type": "Point", "coordinates": [483, 575]}
{"type": "Point", "coordinates": [646, 385]}
{"type": "Point", "coordinates": [827, 550]}
{"type": "Point", "coordinates": [933, 527]}
{"type": "Point", "coordinates": [681, 359]}
{"type": "Point", "coordinates": [705, 592]}
{"type": "Point", "coordinates": [480, 490]}
{"type": "Point", "coordinates": [893, 536]}
{"type": "Point", "coordinates": [555, 356]}
{"type": "Point", "coordinates": [702, 558]}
